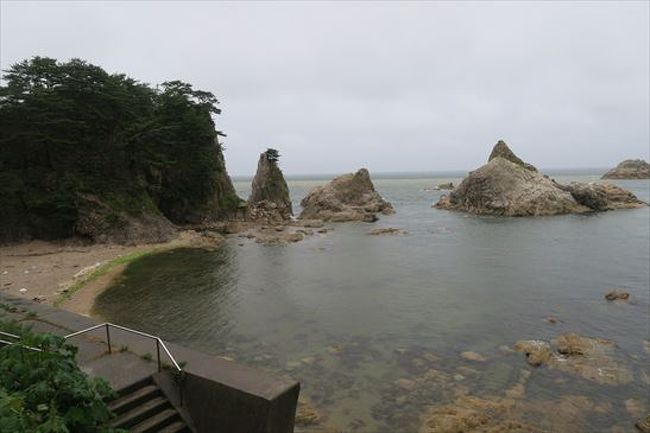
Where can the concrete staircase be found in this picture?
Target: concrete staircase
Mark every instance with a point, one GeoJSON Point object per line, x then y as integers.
{"type": "Point", "coordinates": [143, 408]}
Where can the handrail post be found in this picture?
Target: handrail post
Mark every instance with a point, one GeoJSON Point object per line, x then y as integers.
{"type": "Point", "coordinates": [158, 354]}
{"type": "Point", "coordinates": [108, 339]}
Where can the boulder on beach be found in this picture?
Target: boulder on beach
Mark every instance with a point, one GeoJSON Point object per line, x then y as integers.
{"type": "Point", "coordinates": [629, 169]}
{"type": "Point", "coordinates": [351, 197]}
{"type": "Point", "coordinates": [269, 200]}
{"type": "Point", "coordinates": [506, 186]}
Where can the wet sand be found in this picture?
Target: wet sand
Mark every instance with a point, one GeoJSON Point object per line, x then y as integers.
{"type": "Point", "coordinates": [45, 271]}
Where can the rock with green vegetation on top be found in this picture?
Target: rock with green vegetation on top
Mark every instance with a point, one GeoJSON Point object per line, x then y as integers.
{"type": "Point", "coordinates": [269, 200]}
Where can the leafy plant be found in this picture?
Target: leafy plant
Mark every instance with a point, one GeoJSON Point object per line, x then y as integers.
{"type": "Point", "coordinates": [272, 155]}
{"type": "Point", "coordinates": [42, 389]}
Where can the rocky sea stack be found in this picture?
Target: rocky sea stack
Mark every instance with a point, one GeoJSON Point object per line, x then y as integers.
{"type": "Point", "coordinates": [269, 200]}
{"type": "Point", "coordinates": [507, 186]}
{"type": "Point", "coordinates": [629, 169]}
{"type": "Point", "coordinates": [351, 197]}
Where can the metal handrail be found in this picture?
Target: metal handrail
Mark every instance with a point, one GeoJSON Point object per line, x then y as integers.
{"type": "Point", "coordinates": [158, 340]}
{"type": "Point", "coordinates": [6, 334]}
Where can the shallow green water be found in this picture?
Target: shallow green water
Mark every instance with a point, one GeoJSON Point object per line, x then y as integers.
{"type": "Point", "coordinates": [348, 314]}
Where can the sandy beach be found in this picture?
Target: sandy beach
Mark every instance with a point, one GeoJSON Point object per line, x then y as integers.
{"type": "Point", "coordinates": [47, 271]}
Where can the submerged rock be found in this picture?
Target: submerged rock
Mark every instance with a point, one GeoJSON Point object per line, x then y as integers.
{"type": "Point", "coordinates": [537, 352]}
{"type": "Point", "coordinates": [589, 358]}
{"type": "Point", "coordinates": [643, 425]}
{"type": "Point", "coordinates": [306, 414]}
{"type": "Point", "coordinates": [387, 231]}
{"type": "Point", "coordinates": [616, 294]}
{"type": "Point", "coordinates": [351, 197]}
{"type": "Point", "coordinates": [494, 414]}
{"type": "Point", "coordinates": [473, 356]}
{"type": "Point", "coordinates": [506, 186]}
{"type": "Point", "coordinates": [629, 169]}
{"type": "Point", "coordinates": [269, 200]}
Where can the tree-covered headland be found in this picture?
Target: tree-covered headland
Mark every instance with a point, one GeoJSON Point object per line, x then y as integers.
{"type": "Point", "coordinates": [87, 153]}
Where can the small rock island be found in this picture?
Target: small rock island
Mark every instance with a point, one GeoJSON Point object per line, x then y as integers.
{"type": "Point", "coordinates": [269, 200]}
{"type": "Point", "coordinates": [508, 186]}
{"type": "Point", "coordinates": [351, 197]}
{"type": "Point", "coordinates": [629, 169]}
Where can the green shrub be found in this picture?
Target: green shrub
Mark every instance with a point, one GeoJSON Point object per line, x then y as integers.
{"type": "Point", "coordinates": [45, 391]}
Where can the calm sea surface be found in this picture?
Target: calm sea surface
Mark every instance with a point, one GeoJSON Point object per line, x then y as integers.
{"type": "Point", "coordinates": [349, 314]}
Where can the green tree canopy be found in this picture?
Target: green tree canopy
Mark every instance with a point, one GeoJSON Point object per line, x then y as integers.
{"type": "Point", "coordinates": [70, 130]}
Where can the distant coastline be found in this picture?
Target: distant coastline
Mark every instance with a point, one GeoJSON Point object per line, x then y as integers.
{"type": "Point", "coordinates": [596, 171]}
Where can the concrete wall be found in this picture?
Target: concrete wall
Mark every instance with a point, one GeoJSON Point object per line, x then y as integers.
{"type": "Point", "coordinates": [218, 395]}
{"type": "Point", "coordinates": [214, 407]}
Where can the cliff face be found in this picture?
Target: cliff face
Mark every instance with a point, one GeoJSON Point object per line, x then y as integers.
{"type": "Point", "coordinates": [629, 169]}
{"type": "Point", "coordinates": [505, 186]}
{"type": "Point", "coordinates": [269, 199]}
{"type": "Point", "coordinates": [351, 197]}
{"type": "Point", "coordinates": [100, 156]}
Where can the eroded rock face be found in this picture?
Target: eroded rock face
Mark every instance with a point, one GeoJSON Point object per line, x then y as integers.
{"type": "Point", "coordinates": [501, 150]}
{"type": "Point", "coordinates": [629, 169]}
{"type": "Point", "coordinates": [505, 186]}
{"type": "Point", "coordinates": [602, 196]}
{"type": "Point", "coordinates": [101, 223]}
{"type": "Point", "coordinates": [590, 358]}
{"type": "Point", "coordinates": [351, 197]}
{"type": "Point", "coordinates": [269, 200]}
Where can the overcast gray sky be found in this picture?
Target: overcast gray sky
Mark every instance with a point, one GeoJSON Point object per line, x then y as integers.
{"type": "Point", "coordinates": [391, 86]}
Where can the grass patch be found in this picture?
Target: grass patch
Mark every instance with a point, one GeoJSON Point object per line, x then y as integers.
{"type": "Point", "coordinates": [82, 281]}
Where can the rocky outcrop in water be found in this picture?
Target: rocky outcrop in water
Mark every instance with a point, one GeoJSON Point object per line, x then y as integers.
{"type": "Point", "coordinates": [629, 169]}
{"type": "Point", "coordinates": [602, 196]}
{"type": "Point", "coordinates": [590, 358]}
{"type": "Point", "coordinates": [506, 186]}
{"type": "Point", "coordinates": [269, 200]}
{"type": "Point", "coordinates": [351, 197]}
{"type": "Point", "coordinates": [387, 231]}
{"type": "Point", "coordinates": [616, 295]}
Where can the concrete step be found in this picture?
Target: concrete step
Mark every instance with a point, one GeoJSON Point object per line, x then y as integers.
{"type": "Point", "coordinates": [176, 427]}
{"type": "Point", "coordinates": [157, 422]}
{"type": "Point", "coordinates": [135, 398]}
{"type": "Point", "coordinates": [135, 386]}
{"type": "Point", "coordinates": [141, 413]}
